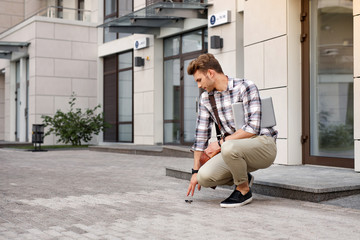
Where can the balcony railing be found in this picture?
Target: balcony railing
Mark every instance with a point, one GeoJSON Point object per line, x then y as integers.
{"type": "Point", "coordinates": [150, 2]}
{"type": "Point", "coordinates": [65, 13]}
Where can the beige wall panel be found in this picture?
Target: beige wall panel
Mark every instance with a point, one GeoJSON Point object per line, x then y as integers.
{"type": "Point", "coordinates": [148, 102]}
{"type": "Point", "coordinates": [254, 64]}
{"type": "Point", "coordinates": [16, 20]}
{"type": "Point", "coordinates": [32, 106]}
{"type": "Point", "coordinates": [356, 4]}
{"type": "Point", "coordinates": [146, 140]}
{"type": "Point", "coordinates": [72, 33]}
{"type": "Point", "coordinates": [5, 21]}
{"type": "Point", "coordinates": [11, 7]}
{"type": "Point", "coordinates": [138, 4]}
{"type": "Point", "coordinates": [53, 48]}
{"type": "Point", "coordinates": [264, 20]}
{"type": "Point", "coordinates": [93, 35]}
{"type": "Point", "coordinates": [220, 5]}
{"type": "Point", "coordinates": [33, 6]}
{"type": "Point", "coordinates": [144, 125]}
{"type": "Point", "coordinates": [143, 80]}
{"type": "Point", "coordinates": [275, 62]}
{"type": "Point", "coordinates": [44, 67]}
{"type": "Point", "coordinates": [92, 102]}
{"type": "Point", "coordinates": [83, 51]}
{"type": "Point", "coordinates": [53, 86]}
{"type": "Point", "coordinates": [229, 38]}
{"type": "Point", "coordinates": [279, 97]}
{"type": "Point", "coordinates": [84, 87]}
{"type": "Point", "coordinates": [25, 33]}
{"type": "Point", "coordinates": [357, 108]}
{"type": "Point", "coordinates": [45, 30]}
{"type": "Point", "coordinates": [62, 103]}
{"type": "Point", "coordinates": [71, 68]}
{"type": "Point", "coordinates": [80, 102]}
{"type": "Point", "coordinates": [282, 151]}
{"type": "Point", "coordinates": [92, 69]}
{"type": "Point", "coordinates": [357, 46]}
{"type": "Point", "coordinates": [138, 103]}
{"type": "Point", "coordinates": [44, 105]}
{"type": "Point", "coordinates": [357, 156]}
{"type": "Point", "coordinates": [32, 66]}
{"type": "Point", "coordinates": [144, 103]}
{"type": "Point", "coordinates": [228, 62]}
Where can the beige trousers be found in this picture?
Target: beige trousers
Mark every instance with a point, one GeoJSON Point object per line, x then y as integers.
{"type": "Point", "coordinates": [236, 159]}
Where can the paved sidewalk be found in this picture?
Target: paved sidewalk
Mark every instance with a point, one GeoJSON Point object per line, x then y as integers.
{"type": "Point", "coordinates": [96, 195]}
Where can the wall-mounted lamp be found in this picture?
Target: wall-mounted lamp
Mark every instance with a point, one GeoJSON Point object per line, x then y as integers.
{"type": "Point", "coordinates": [139, 62]}
{"type": "Point", "coordinates": [3, 71]}
{"type": "Point", "coordinates": [216, 42]}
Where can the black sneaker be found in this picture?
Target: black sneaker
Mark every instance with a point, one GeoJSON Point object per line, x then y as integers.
{"type": "Point", "coordinates": [236, 199]}
{"type": "Point", "coordinates": [250, 179]}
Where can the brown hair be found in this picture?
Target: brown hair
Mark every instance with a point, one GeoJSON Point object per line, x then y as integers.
{"type": "Point", "coordinates": [203, 63]}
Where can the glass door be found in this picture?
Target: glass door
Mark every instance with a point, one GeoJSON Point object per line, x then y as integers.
{"type": "Point", "coordinates": [191, 96]}
{"type": "Point", "coordinates": [180, 89]}
{"type": "Point", "coordinates": [330, 84]}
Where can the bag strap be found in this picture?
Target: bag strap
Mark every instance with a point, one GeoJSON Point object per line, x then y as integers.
{"type": "Point", "coordinates": [218, 123]}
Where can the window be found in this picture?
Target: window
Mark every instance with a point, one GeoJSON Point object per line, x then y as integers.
{"type": "Point", "coordinates": [112, 10]}
{"type": "Point", "coordinates": [118, 97]}
{"type": "Point", "coordinates": [180, 90]}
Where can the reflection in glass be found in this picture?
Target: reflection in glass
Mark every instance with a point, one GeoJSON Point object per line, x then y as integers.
{"type": "Point", "coordinates": [192, 42]}
{"type": "Point", "coordinates": [191, 94]}
{"type": "Point", "coordinates": [109, 36]}
{"type": "Point", "coordinates": [125, 132]}
{"type": "Point", "coordinates": [172, 100]}
{"type": "Point", "coordinates": [110, 7]}
{"type": "Point", "coordinates": [125, 96]}
{"type": "Point", "coordinates": [331, 86]}
{"type": "Point", "coordinates": [171, 46]}
{"type": "Point", "coordinates": [125, 60]}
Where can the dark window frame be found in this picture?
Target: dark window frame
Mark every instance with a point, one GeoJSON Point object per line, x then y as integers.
{"type": "Point", "coordinates": [182, 57]}
{"type": "Point", "coordinates": [307, 158]}
{"type": "Point", "coordinates": [115, 70]}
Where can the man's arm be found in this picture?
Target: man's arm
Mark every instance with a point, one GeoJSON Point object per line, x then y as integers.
{"type": "Point", "coordinates": [193, 180]}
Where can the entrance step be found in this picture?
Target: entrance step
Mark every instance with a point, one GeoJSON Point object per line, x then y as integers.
{"type": "Point", "coordinates": [6, 144]}
{"type": "Point", "coordinates": [305, 182]}
{"type": "Point", "coordinates": [164, 150]}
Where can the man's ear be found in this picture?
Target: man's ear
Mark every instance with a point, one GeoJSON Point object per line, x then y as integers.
{"type": "Point", "coordinates": [211, 72]}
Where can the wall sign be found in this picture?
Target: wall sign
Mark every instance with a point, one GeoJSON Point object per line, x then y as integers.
{"type": "Point", "coordinates": [141, 43]}
{"type": "Point", "coordinates": [219, 18]}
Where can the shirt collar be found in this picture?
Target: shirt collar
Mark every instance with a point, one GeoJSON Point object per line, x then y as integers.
{"type": "Point", "coordinates": [229, 87]}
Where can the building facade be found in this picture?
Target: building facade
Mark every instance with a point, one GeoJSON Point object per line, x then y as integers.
{"type": "Point", "coordinates": [302, 53]}
{"type": "Point", "coordinates": [47, 54]}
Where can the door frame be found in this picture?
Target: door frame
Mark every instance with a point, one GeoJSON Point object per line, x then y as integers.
{"type": "Point", "coordinates": [305, 68]}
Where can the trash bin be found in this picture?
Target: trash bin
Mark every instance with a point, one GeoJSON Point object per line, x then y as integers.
{"type": "Point", "coordinates": [37, 136]}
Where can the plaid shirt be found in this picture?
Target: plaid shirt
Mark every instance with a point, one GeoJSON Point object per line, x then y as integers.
{"type": "Point", "coordinates": [238, 90]}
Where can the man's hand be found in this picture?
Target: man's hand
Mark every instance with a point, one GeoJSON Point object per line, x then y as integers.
{"type": "Point", "coordinates": [212, 149]}
{"type": "Point", "coordinates": [192, 185]}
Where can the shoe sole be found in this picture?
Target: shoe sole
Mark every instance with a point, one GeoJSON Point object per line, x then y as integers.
{"type": "Point", "coordinates": [223, 205]}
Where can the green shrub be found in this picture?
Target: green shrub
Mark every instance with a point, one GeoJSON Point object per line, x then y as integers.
{"type": "Point", "coordinates": [336, 136]}
{"type": "Point", "coordinates": [75, 126]}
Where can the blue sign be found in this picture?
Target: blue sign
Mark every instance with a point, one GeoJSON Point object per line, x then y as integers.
{"type": "Point", "coordinates": [136, 44]}
{"type": "Point", "coordinates": [212, 20]}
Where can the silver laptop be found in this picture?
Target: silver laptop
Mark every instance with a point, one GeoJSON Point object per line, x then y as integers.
{"type": "Point", "coordinates": [267, 109]}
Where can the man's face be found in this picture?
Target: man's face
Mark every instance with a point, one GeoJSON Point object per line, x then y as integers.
{"type": "Point", "coordinates": [205, 80]}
